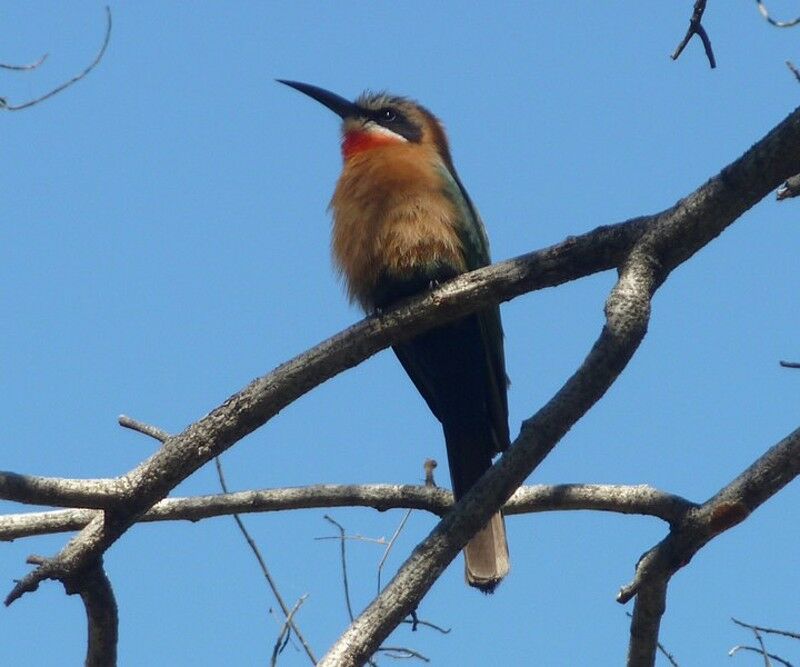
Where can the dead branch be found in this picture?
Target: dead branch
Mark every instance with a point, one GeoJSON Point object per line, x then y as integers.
{"type": "Point", "coordinates": [696, 28]}
{"type": "Point", "coordinates": [754, 649]}
{"type": "Point", "coordinates": [285, 633]}
{"type": "Point", "coordinates": [727, 508]}
{"type": "Point", "coordinates": [773, 22]}
{"type": "Point", "coordinates": [765, 630]}
{"type": "Point", "coordinates": [97, 596]}
{"type": "Point", "coordinates": [641, 499]}
{"type": "Point", "coordinates": [4, 105]}
{"type": "Point", "coordinates": [24, 68]}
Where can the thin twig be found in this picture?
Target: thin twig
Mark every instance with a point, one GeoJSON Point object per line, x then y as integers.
{"type": "Point", "coordinates": [760, 640]}
{"type": "Point", "coordinates": [264, 569]}
{"type": "Point", "coordinates": [769, 631]}
{"type": "Point", "coordinates": [141, 427]}
{"type": "Point", "coordinates": [741, 647]}
{"type": "Point", "coordinates": [418, 621]}
{"type": "Point", "coordinates": [354, 538]}
{"type": "Point", "coordinates": [696, 28]}
{"type": "Point", "coordinates": [391, 544]}
{"type": "Point", "coordinates": [343, 553]}
{"type": "Point", "coordinates": [778, 24]}
{"type": "Point", "coordinates": [24, 68]}
{"type": "Point", "coordinates": [790, 364]}
{"type": "Point", "coordinates": [285, 633]}
{"type": "Point", "coordinates": [793, 69]}
{"type": "Point", "coordinates": [398, 652]}
{"type": "Point", "coordinates": [18, 107]}
{"type": "Point", "coordinates": [429, 466]}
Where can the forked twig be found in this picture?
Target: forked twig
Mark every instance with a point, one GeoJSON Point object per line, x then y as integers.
{"type": "Point", "coordinates": [18, 107]}
{"type": "Point", "coordinates": [696, 28]}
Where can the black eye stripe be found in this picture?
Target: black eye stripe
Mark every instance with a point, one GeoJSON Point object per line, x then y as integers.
{"type": "Point", "coordinates": [395, 120]}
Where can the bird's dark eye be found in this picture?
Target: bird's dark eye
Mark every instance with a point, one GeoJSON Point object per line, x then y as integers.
{"type": "Point", "coordinates": [388, 115]}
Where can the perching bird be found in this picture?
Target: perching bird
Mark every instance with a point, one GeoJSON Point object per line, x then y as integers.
{"type": "Point", "coordinates": [403, 222]}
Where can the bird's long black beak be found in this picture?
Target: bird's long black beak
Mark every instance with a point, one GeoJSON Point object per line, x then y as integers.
{"type": "Point", "coordinates": [340, 106]}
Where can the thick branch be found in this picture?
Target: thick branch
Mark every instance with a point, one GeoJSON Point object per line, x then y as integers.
{"type": "Point", "coordinates": [641, 499]}
{"type": "Point", "coordinates": [98, 599]}
{"type": "Point", "coordinates": [732, 505]}
{"type": "Point", "coordinates": [729, 507]}
{"type": "Point", "coordinates": [60, 492]}
{"type": "Point", "coordinates": [651, 602]}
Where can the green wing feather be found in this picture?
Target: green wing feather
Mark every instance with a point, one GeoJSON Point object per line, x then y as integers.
{"type": "Point", "coordinates": [475, 245]}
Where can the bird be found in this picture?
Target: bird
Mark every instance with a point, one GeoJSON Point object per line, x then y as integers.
{"type": "Point", "coordinates": [402, 224]}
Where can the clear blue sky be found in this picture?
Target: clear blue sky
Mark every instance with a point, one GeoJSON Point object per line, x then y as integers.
{"type": "Point", "coordinates": [165, 240]}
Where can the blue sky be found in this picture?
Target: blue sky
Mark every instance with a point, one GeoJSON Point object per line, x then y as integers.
{"type": "Point", "coordinates": [165, 240]}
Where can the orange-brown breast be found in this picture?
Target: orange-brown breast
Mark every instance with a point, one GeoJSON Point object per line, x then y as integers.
{"type": "Point", "coordinates": [390, 214]}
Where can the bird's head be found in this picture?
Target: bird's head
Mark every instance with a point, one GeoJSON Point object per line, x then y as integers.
{"type": "Point", "coordinates": [379, 119]}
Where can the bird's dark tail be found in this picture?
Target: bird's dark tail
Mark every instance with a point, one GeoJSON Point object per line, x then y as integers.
{"type": "Point", "coordinates": [486, 559]}
{"type": "Point", "coordinates": [456, 375]}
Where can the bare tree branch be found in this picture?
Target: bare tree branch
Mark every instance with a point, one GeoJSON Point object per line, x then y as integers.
{"type": "Point", "coordinates": [793, 69]}
{"type": "Point", "coordinates": [141, 427]}
{"type": "Point", "coordinates": [696, 28]}
{"type": "Point", "coordinates": [769, 631]}
{"type": "Point", "coordinates": [727, 508]}
{"type": "Point", "coordinates": [389, 546]}
{"type": "Point", "coordinates": [778, 24]}
{"type": "Point", "coordinates": [755, 649]}
{"type": "Point", "coordinates": [400, 652]}
{"type": "Point", "coordinates": [24, 68]}
{"type": "Point", "coordinates": [4, 105]}
{"type": "Point", "coordinates": [641, 499]}
{"type": "Point", "coordinates": [343, 556]}
{"type": "Point", "coordinates": [61, 492]}
{"type": "Point", "coordinates": [645, 622]}
{"type": "Point", "coordinates": [98, 599]}
{"type": "Point", "coordinates": [285, 633]}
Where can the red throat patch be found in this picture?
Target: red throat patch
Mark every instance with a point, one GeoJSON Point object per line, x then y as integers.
{"type": "Point", "coordinates": [357, 141]}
